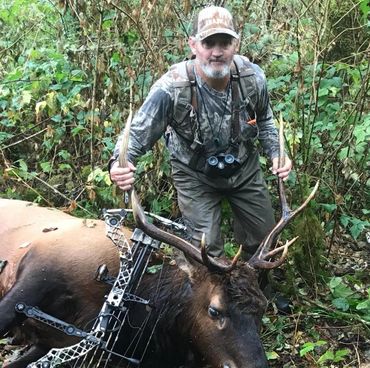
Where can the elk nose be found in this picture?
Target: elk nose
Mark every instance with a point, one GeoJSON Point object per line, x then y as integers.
{"type": "Point", "coordinates": [229, 364]}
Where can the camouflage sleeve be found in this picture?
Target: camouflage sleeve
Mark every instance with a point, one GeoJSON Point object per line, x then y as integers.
{"type": "Point", "coordinates": [268, 135]}
{"type": "Point", "coordinates": [149, 123]}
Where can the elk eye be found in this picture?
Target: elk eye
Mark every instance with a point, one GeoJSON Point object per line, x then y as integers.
{"type": "Point", "coordinates": [213, 312]}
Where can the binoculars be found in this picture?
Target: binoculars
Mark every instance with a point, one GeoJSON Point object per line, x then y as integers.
{"type": "Point", "coordinates": [224, 164]}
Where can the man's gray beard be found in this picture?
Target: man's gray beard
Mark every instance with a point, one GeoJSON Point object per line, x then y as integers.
{"type": "Point", "coordinates": [216, 74]}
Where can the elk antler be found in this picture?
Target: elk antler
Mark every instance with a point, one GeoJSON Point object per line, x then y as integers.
{"type": "Point", "coordinates": [261, 258]}
{"type": "Point", "coordinates": [161, 235]}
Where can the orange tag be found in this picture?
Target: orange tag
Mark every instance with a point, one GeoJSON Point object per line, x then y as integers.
{"type": "Point", "coordinates": [252, 122]}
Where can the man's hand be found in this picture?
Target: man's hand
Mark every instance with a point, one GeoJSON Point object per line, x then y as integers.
{"type": "Point", "coordinates": [123, 177]}
{"type": "Point", "coordinates": [284, 171]}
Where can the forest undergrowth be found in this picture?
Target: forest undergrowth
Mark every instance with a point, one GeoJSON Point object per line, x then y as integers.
{"type": "Point", "coordinates": [71, 70]}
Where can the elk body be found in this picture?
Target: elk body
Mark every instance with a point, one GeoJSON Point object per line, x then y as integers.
{"type": "Point", "coordinates": [206, 318]}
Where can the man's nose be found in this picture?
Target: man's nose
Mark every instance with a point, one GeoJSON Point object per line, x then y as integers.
{"type": "Point", "coordinates": [217, 51]}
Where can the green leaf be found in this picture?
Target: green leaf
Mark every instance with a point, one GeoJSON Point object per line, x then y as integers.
{"type": "Point", "coordinates": [65, 155]}
{"type": "Point", "coordinates": [154, 269]}
{"type": "Point", "coordinates": [75, 90]}
{"type": "Point", "coordinates": [307, 347]}
{"type": "Point", "coordinates": [328, 355]}
{"type": "Point", "coordinates": [341, 303]}
{"type": "Point", "coordinates": [46, 167]}
{"type": "Point", "coordinates": [115, 59]}
{"type": "Point", "coordinates": [357, 225]}
{"type": "Point", "coordinates": [323, 92]}
{"type": "Point", "coordinates": [35, 54]}
{"type": "Point", "coordinates": [4, 136]}
{"type": "Point", "coordinates": [363, 305]}
{"type": "Point", "coordinates": [107, 24]}
{"type": "Point", "coordinates": [342, 291]}
{"type": "Point", "coordinates": [26, 98]}
{"type": "Point", "coordinates": [15, 75]}
{"type": "Point", "coordinates": [22, 165]}
{"type": "Point", "coordinates": [56, 87]}
{"type": "Point", "coordinates": [334, 282]}
{"type": "Point", "coordinates": [356, 229]}
{"type": "Point", "coordinates": [65, 167]}
{"type": "Point", "coordinates": [344, 220]}
{"type": "Point", "coordinates": [341, 354]}
{"type": "Point", "coordinates": [107, 180]}
{"type": "Point", "coordinates": [330, 207]}
{"type": "Point", "coordinates": [365, 9]}
{"type": "Point", "coordinates": [76, 76]}
{"type": "Point", "coordinates": [343, 153]}
{"type": "Point", "coordinates": [272, 355]}
{"type": "Point", "coordinates": [57, 118]}
{"type": "Point", "coordinates": [168, 33]}
{"type": "Point", "coordinates": [78, 129]}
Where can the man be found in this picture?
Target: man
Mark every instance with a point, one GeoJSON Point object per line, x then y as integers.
{"type": "Point", "coordinates": [211, 110]}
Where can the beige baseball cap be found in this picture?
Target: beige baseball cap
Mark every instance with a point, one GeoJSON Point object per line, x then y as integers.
{"type": "Point", "coordinates": [213, 20]}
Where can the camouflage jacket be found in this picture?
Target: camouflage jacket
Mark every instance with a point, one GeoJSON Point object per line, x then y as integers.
{"type": "Point", "coordinates": [168, 110]}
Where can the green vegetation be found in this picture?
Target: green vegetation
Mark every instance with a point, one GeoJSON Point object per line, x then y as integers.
{"type": "Point", "coordinates": [67, 73]}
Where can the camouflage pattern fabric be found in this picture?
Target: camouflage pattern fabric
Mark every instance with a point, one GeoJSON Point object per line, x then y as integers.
{"type": "Point", "coordinates": [160, 114]}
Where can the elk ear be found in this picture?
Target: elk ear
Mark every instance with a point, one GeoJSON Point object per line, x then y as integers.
{"type": "Point", "coordinates": [185, 265]}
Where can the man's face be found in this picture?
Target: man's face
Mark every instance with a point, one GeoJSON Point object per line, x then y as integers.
{"type": "Point", "coordinates": [214, 54]}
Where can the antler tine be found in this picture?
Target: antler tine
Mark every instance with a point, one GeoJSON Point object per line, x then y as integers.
{"type": "Point", "coordinates": [259, 259]}
{"type": "Point", "coordinates": [207, 260]}
{"type": "Point", "coordinates": [203, 249]}
{"type": "Point", "coordinates": [257, 262]}
{"type": "Point", "coordinates": [236, 257]}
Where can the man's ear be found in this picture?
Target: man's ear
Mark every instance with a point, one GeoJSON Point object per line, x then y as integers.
{"type": "Point", "coordinates": [237, 45]}
{"type": "Point", "coordinates": [191, 43]}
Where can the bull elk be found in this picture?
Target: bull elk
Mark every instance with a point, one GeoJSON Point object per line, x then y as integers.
{"type": "Point", "coordinates": [205, 313]}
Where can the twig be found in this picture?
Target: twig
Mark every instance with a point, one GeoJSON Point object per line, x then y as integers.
{"type": "Point", "coordinates": [152, 6]}
{"type": "Point", "coordinates": [79, 19]}
{"type": "Point", "coordinates": [27, 130]}
{"type": "Point", "coordinates": [137, 27]}
{"type": "Point", "coordinates": [308, 7]}
{"type": "Point", "coordinates": [46, 184]}
{"type": "Point", "coordinates": [339, 35]}
{"type": "Point", "coordinates": [62, 195]}
{"type": "Point", "coordinates": [94, 95]}
{"type": "Point", "coordinates": [60, 14]}
{"type": "Point", "coordinates": [19, 38]}
{"type": "Point", "coordinates": [344, 315]}
{"type": "Point", "coordinates": [23, 181]}
{"type": "Point", "coordinates": [181, 22]}
{"type": "Point", "coordinates": [24, 139]}
{"type": "Point", "coordinates": [20, 80]}
{"type": "Point", "coordinates": [333, 233]}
